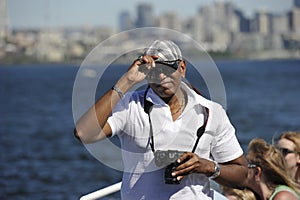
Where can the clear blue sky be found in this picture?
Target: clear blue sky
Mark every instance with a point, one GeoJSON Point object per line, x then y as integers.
{"type": "Point", "coordinates": [41, 13]}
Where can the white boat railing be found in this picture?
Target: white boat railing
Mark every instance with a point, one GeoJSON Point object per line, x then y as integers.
{"type": "Point", "coordinates": [102, 192]}
{"type": "Point", "coordinates": [116, 187]}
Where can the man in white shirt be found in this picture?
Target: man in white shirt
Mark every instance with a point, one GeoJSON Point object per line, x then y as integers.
{"type": "Point", "coordinates": [169, 115]}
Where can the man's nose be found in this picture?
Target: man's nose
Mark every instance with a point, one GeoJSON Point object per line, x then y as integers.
{"type": "Point", "coordinates": [161, 76]}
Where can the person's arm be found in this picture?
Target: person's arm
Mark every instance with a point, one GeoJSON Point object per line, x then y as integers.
{"type": "Point", "coordinates": [93, 126]}
{"type": "Point", "coordinates": [232, 173]}
{"type": "Point", "coordinates": [283, 195]}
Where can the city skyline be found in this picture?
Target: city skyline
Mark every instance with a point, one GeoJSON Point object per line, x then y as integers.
{"type": "Point", "coordinates": [222, 27]}
{"type": "Point", "coordinates": [67, 13]}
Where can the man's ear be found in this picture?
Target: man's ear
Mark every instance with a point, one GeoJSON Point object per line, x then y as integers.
{"type": "Point", "coordinates": [258, 173]}
{"type": "Point", "coordinates": [182, 66]}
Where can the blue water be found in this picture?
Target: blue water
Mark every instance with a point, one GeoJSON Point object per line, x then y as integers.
{"type": "Point", "coordinates": [40, 158]}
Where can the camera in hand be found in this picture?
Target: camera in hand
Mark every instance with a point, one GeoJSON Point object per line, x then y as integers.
{"type": "Point", "coordinates": [168, 159]}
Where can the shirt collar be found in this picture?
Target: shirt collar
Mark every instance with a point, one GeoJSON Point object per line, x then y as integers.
{"type": "Point", "coordinates": [193, 97]}
{"type": "Point", "coordinates": [152, 97]}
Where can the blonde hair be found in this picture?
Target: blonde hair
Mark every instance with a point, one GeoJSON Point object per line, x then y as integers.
{"type": "Point", "coordinates": [293, 137]}
{"type": "Point", "coordinates": [244, 194]}
{"type": "Point", "coordinates": [272, 163]}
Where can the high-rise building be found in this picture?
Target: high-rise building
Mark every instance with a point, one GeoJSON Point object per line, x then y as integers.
{"type": "Point", "coordinates": [145, 17]}
{"type": "Point", "coordinates": [170, 20]}
{"type": "Point", "coordinates": [125, 21]}
{"type": "Point", "coordinates": [262, 21]}
{"type": "Point", "coordinates": [3, 20]}
{"type": "Point", "coordinates": [244, 24]}
{"type": "Point", "coordinates": [279, 24]}
{"type": "Point", "coordinates": [218, 18]}
{"type": "Point", "coordinates": [297, 3]}
{"type": "Point", "coordinates": [294, 20]}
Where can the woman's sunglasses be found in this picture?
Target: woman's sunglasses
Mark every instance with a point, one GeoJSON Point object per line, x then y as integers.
{"type": "Point", "coordinates": [286, 151]}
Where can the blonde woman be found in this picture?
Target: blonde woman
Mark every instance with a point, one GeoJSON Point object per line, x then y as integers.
{"type": "Point", "coordinates": [289, 144]}
{"type": "Point", "coordinates": [267, 174]}
{"type": "Point", "coordinates": [237, 194]}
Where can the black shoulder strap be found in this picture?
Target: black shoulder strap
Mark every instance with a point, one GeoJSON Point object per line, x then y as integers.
{"type": "Point", "coordinates": [147, 107]}
{"type": "Point", "coordinates": [147, 104]}
{"type": "Point", "coordinates": [201, 130]}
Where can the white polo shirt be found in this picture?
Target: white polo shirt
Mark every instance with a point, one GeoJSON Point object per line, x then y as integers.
{"type": "Point", "coordinates": [141, 178]}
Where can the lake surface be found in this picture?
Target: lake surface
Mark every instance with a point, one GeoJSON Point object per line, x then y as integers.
{"type": "Point", "coordinates": [40, 158]}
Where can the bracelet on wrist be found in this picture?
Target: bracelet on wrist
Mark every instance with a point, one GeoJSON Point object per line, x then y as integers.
{"type": "Point", "coordinates": [120, 93]}
{"type": "Point", "coordinates": [217, 171]}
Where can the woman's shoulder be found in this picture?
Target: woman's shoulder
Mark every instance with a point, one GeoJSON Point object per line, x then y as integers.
{"type": "Point", "coordinates": [283, 192]}
{"type": "Point", "coordinates": [284, 195]}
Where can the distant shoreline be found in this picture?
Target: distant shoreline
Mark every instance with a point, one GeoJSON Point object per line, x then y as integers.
{"type": "Point", "coordinates": [216, 56]}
